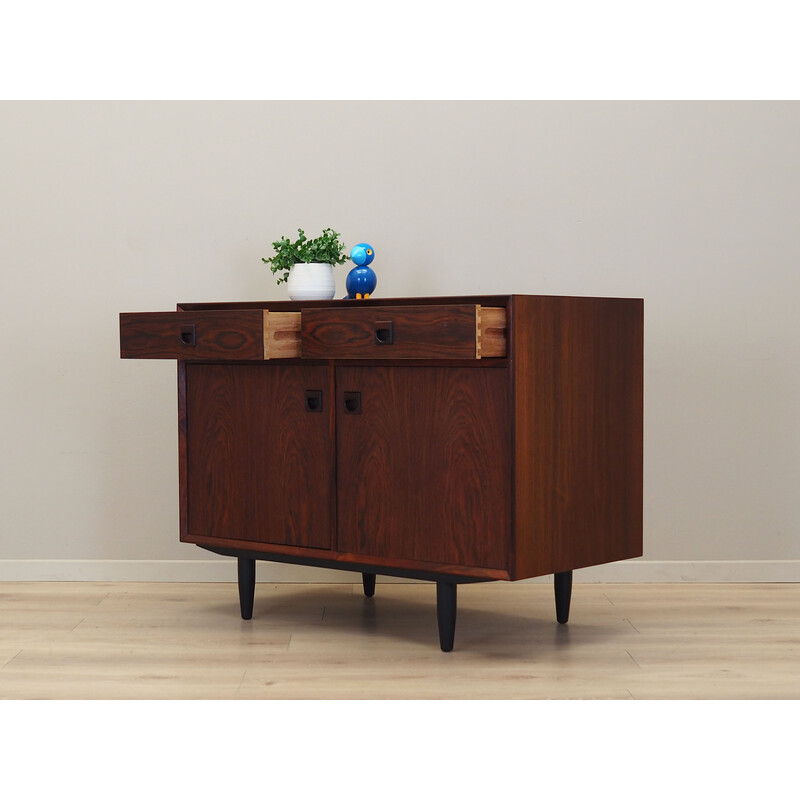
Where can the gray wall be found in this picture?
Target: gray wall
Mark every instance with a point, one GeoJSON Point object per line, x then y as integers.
{"type": "Point", "coordinates": [121, 206]}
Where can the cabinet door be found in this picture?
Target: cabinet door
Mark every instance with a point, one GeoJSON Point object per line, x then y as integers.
{"type": "Point", "coordinates": [259, 453]}
{"type": "Point", "coordinates": [423, 464]}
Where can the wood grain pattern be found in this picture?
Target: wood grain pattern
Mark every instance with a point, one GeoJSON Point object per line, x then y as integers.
{"type": "Point", "coordinates": [281, 334]}
{"type": "Point", "coordinates": [578, 428]}
{"type": "Point", "coordinates": [441, 331]}
{"type": "Point", "coordinates": [183, 461]}
{"type": "Point", "coordinates": [218, 335]}
{"type": "Point", "coordinates": [260, 465]}
{"type": "Point", "coordinates": [424, 469]}
{"type": "Point", "coordinates": [349, 562]}
{"type": "Point", "coordinates": [492, 333]}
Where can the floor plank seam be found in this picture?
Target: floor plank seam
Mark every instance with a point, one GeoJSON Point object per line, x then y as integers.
{"type": "Point", "coordinates": [10, 660]}
{"type": "Point", "coordinates": [634, 660]}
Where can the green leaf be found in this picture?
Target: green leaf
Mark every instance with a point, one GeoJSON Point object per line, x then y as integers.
{"type": "Point", "coordinates": [326, 248]}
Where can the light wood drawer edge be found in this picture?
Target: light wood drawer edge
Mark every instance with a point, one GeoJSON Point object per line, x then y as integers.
{"type": "Point", "coordinates": [281, 334]}
{"type": "Point", "coordinates": [490, 332]}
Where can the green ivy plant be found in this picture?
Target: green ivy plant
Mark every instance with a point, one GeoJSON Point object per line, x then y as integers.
{"type": "Point", "coordinates": [325, 249]}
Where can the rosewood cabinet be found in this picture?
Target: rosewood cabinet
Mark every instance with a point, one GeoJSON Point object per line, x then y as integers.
{"type": "Point", "coordinates": [453, 439]}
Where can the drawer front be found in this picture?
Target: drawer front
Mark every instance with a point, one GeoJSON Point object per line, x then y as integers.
{"type": "Point", "coordinates": [193, 335]}
{"type": "Point", "coordinates": [387, 332]}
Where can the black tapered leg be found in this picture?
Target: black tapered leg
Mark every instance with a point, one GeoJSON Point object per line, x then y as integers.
{"type": "Point", "coordinates": [446, 613]}
{"type": "Point", "coordinates": [368, 579]}
{"type": "Point", "coordinates": [247, 586]}
{"type": "Point", "coordinates": [562, 582]}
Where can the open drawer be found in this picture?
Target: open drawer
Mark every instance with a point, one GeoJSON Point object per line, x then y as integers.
{"type": "Point", "coordinates": [455, 331]}
{"type": "Point", "coordinates": [462, 331]}
{"type": "Point", "coordinates": [238, 335]}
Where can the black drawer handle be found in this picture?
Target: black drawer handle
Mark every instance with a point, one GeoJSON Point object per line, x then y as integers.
{"type": "Point", "coordinates": [352, 402]}
{"type": "Point", "coordinates": [188, 335]}
{"type": "Point", "coordinates": [384, 332]}
{"type": "Point", "coordinates": [313, 400]}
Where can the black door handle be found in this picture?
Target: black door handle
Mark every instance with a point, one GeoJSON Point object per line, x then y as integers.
{"type": "Point", "coordinates": [384, 332]}
{"type": "Point", "coordinates": [352, 402]}
{"type": "Point", "coordinates": [188, 335]}
{"type": "Point", "coordinates": [313, 400]}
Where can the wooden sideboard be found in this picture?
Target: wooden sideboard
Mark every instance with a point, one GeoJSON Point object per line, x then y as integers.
{"type": "Point", "coordinates": [453, 439]}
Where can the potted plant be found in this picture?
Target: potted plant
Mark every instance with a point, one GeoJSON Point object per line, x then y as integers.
{"type": "Point", "coordinates": [306, 265]}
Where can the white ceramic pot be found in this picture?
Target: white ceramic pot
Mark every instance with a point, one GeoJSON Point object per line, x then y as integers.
{"type": "Point", "coordinates": [311, 282]}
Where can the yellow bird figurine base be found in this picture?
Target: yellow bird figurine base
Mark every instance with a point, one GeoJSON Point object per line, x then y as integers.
{"type": "Point", "coordinates": [360, 296]}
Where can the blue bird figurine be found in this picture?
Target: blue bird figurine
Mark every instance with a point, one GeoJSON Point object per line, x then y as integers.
{"type": "Point", "coordinates": [361, 280]}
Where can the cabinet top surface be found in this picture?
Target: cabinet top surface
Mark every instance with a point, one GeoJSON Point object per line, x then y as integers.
{"type": "Point", "coordinates": [289, 305]}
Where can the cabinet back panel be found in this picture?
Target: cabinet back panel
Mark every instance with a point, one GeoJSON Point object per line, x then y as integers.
{"type": "Point", "coordinates": [424, 467]}
{"type": "Point", "coordinates": [260, 464]}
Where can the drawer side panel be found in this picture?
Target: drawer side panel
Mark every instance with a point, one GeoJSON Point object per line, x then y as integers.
{"type": "Point", "coordinates": [578, 421]}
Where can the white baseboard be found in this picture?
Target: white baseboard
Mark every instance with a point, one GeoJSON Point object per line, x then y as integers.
{"type": "Point", "coordinates": [224, 570]}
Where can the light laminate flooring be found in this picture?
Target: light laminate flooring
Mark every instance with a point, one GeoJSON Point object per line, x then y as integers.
{"type": "Point", "coordinates": [327, 641]}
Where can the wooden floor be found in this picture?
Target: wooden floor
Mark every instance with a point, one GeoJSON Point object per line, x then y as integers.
{"type": "Point", "coordinates": [327, 641]}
